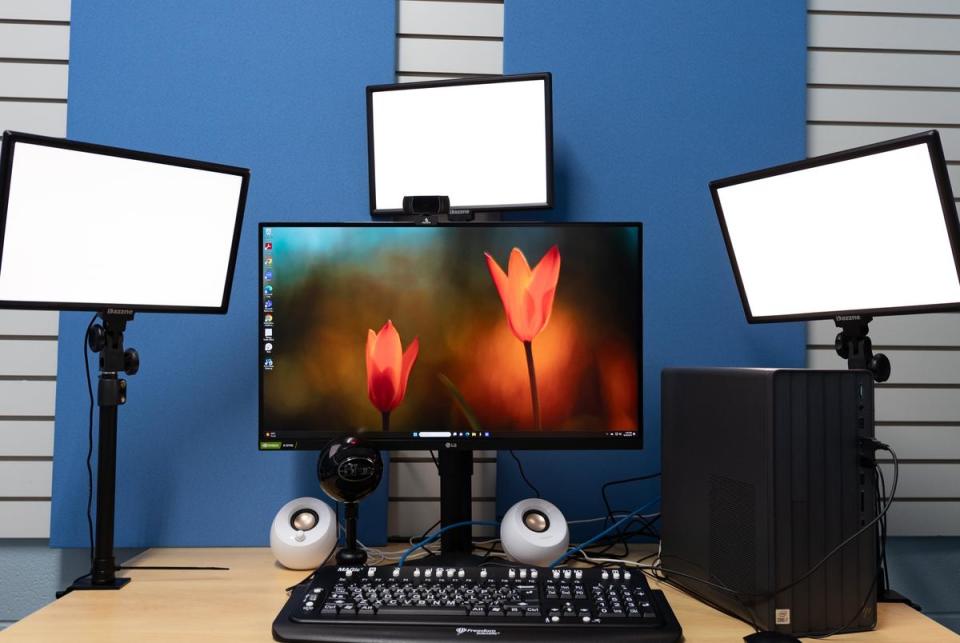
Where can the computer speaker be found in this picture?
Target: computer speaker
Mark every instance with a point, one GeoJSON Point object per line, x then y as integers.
{"type": "Point", "coordinates": [303, 534]}
{"type": "Point", "coordinates": [534, 532]}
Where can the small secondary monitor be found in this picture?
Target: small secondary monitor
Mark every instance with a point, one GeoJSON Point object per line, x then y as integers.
{"type": "Point", "coordinates": [868, 231]}
{"type": "Point", "coordinates": [466, 336]}
{"type": "Point", "coordinates": [90, 227]}
{"type": "Point", "coordinates": [486, 143]}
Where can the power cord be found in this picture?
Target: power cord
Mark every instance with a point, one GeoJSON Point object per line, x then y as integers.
{"type": "Point", "coordinates": [648, 526]}
{"type": "Point", "coordinates": [523, 474]}
{"type": "Point", "coordinates": [86, 371]}
{"type": "Point", "coordinates": [875, 445]}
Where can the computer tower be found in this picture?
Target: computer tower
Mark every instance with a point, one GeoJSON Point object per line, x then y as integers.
{"type": "Point", "coordinates": [763, 475]}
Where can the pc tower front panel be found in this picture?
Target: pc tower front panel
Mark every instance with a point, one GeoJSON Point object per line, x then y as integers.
{"type": "Point", "coordinates": [763, 476]}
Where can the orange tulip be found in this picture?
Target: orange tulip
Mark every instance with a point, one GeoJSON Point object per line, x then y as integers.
{"type": "Point", "coordinates": [388, 368]}
{"type": "Point", "coordinates": [527, 295]}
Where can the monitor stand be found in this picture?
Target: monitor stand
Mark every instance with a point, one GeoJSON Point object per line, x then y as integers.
{"type": "Point", "coordinates": [853, 345]}
{"type": "Point", "coordinates": [456, 498]}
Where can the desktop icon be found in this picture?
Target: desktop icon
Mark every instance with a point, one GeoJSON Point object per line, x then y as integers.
{"type": "Point", "coordinates": [268, 246]}
{"type": "Point", "coordinates": [268, 275]}
{"type": "Point", "coordinates": [268, 332]}
{"type": "Point", "coordinates": [268, 231]}
{"type": "Point", "coordinates": [267, 305]}
{"type": "Point", "coordinates": [267, 290]}
{"type": "Point", "coordinates": [268, 318]}
{"type": "Point", "coordinates": [268, 261]}
{"type": "Point", "coordinates": [268, 364]}
{"type": "Point", "coordinates": [268, 347]}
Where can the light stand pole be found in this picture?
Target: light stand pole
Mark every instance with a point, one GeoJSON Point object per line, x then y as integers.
{"type": "Point", "coordinates": [106, 338]}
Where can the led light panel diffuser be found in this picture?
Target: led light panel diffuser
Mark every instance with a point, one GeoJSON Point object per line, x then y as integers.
{"type": "Point", "coordinates": [89, 227]}
{"type": "Point", "coordinates": [869, 231]}
{"type": "Point", "coordinates": [486, 143]}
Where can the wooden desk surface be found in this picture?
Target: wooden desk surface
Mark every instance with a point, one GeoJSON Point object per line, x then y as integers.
{"type": "Point", "coordinates": [240, 605]}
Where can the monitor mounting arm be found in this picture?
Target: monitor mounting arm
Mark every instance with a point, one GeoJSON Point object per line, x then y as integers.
{"type": "Point", "coordinates": [853, 345]}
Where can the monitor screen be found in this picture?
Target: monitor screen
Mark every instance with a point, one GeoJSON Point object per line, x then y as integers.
{"type": "Point", "coordinates": [870, 231]}
{"type": "Point", "coordinates": [485, 143]}
{"type": "Point", "coordinates": [87, 227]}
{"type": "Point", "coordinates": [479, 335]}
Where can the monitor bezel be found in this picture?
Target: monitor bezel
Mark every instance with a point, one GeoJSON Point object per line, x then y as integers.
{"type": "Point", "coordinates": [472, 80]}
{"type": "Point", "coordinates": [931, 139]}
{"type": "Point", "coordinates": [556, 441]}
{"type": "Point", "coordinates": [12, 138]}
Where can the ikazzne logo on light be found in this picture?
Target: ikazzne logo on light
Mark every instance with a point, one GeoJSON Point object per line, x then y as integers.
{"type": "Point", "coordinates": [476, 631]}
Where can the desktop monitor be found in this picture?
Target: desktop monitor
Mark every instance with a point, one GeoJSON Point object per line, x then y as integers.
{"type": "Point", "coordinates": [486, 143]}
{"type": "Point", "coordinates": [450, 337]}
{"type": "Point", "coordinates": [90, 227]}
{"type": "Point", "coordinates": [867, 231]}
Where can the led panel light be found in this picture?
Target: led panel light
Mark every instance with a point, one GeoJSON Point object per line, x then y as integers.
{"type": "Point", "coordinates": [868, 231]}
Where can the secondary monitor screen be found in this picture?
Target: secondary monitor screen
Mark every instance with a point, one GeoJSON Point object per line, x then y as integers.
{"type": "Point", "coordinates": [487, 144]}
{"type": "Point", "coordinates": [87, 227]}
{"type": "Point", "coordinates": [489, 336]}
{"type": "Point", "coordinates": [870, 231]}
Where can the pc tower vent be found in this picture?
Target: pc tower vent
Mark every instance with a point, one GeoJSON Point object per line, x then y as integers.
{"type": "Point", "coordinates": [733, 542]}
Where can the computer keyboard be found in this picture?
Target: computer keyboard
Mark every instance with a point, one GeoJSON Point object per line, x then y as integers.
{"type": "Point", "coordinates": [417, 603]}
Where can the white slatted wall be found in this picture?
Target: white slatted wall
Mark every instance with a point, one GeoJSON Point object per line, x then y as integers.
{"type": "Point", "coordinates": [34, 48]}
{"type": "Point", "coordinates": [879, 69]}
{"type": "Point", "coordinates": [439, 39]}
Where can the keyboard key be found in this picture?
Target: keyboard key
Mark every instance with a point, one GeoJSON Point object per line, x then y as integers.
{"type": "Point", "coordinates": [387, 610]}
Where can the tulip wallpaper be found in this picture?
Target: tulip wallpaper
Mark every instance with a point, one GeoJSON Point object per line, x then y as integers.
{"type": "Point", "coordinates": [503, 329]}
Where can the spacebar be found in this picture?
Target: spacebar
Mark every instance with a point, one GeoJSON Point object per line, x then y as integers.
{"type": "Point", "coordinates": [387, 610]}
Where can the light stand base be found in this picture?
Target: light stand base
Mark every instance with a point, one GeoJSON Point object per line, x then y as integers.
{"type": "Point", "coordinates": [86, 583]}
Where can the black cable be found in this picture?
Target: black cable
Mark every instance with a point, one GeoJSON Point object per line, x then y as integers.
{"type": "Point", "coordinates": [425, 534]}
{"type": "Point", "coordinates": [853, 620]}
{"type": "Point", "coordinates": [739, 595]}
{"type": "Point", "coordinates": [881, 495]}
{"type": "Point", "coordinates": [435, 463]}
{"type": "Point", "coordinates": [648, 522]}
{"type": "Point", "coordinates": [313, 573]}
{"type": "Point", "coordinates": [696, 595]}
{"type": "Point", "coordinates": [86, 370]}
{"type": "Point", "coordinates": [893, 490]}
{"type": "Point", "coordinates": [612, 483]}
{"type": "Point", "coordinates": [174, 567]}
{"type": "Point", "coordinates": [523, 475]}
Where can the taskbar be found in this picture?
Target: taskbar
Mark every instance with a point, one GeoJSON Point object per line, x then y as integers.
{"type": "Point", "coordinates": [293, 440]}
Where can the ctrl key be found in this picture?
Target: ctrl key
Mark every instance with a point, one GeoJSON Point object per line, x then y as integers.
{"type": "Point", "coordinates": [329, 609]}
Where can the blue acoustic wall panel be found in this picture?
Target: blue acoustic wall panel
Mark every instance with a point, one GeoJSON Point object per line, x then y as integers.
{"type": "Point", "coordinates": [652, 100]}
{"type": "Point", "coordinates": [274, 86]}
